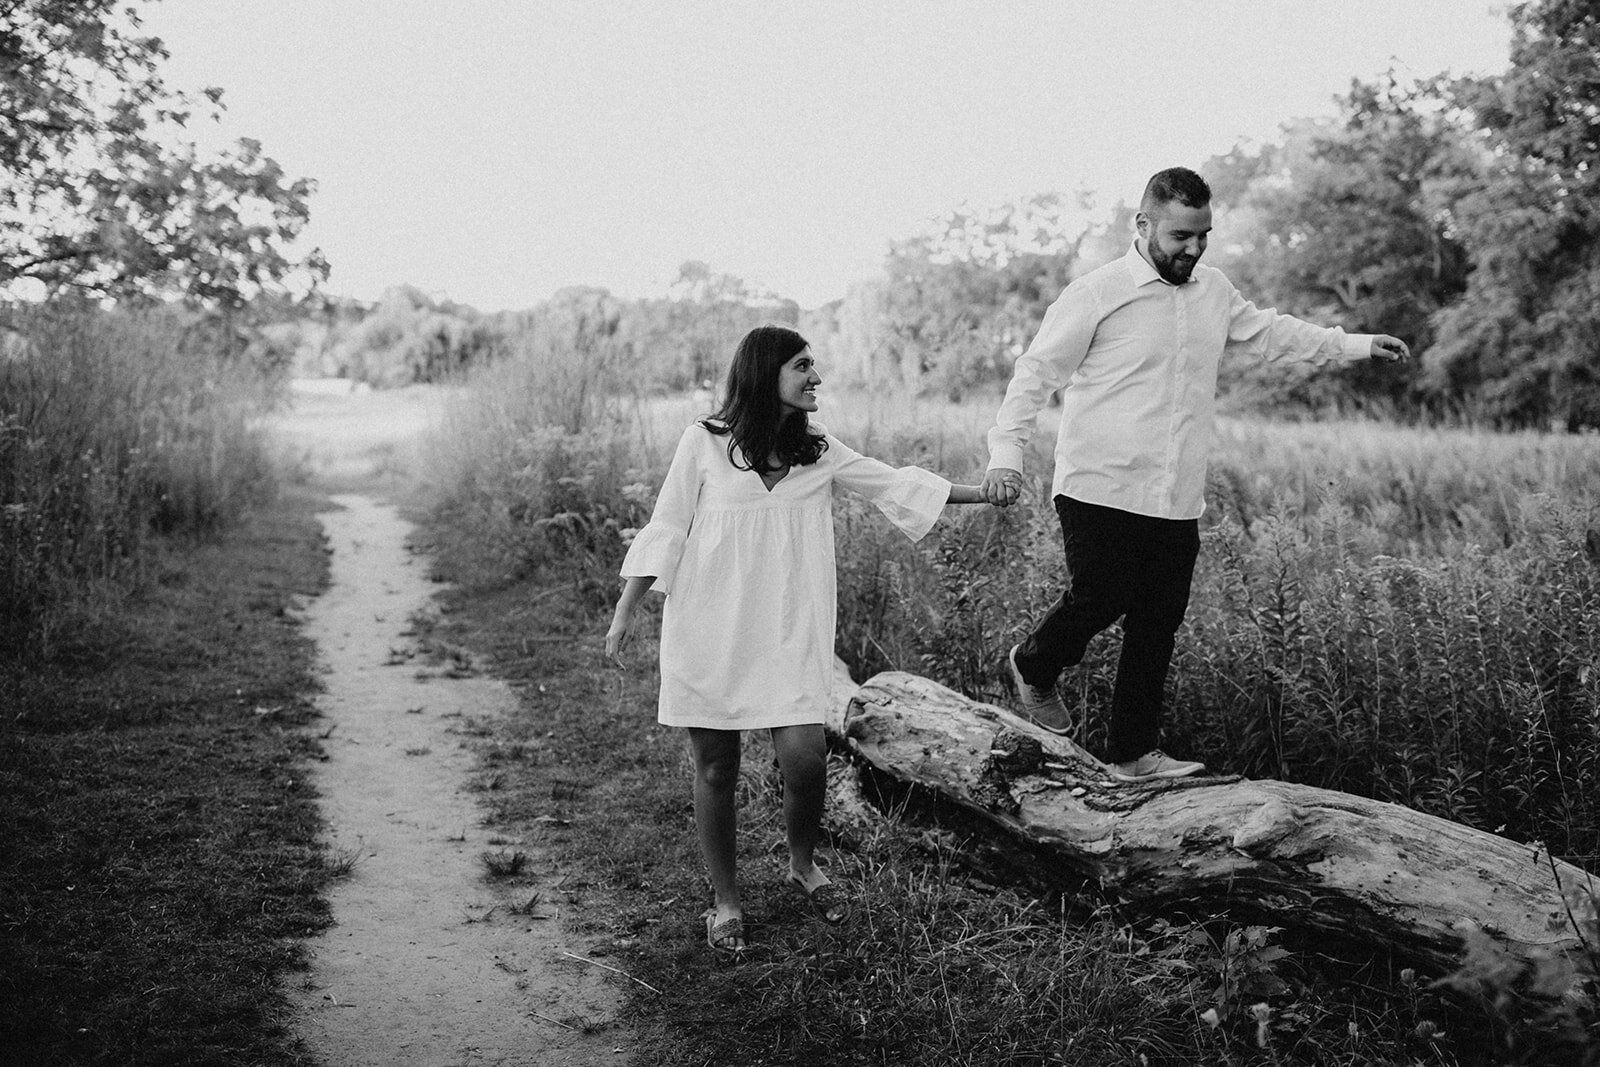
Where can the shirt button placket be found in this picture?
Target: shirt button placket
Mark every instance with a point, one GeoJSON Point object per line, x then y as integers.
{"type": "Point", "coordinates": [1180, 366]}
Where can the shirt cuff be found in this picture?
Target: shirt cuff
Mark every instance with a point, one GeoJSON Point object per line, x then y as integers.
{"type": "Point", "coordinates": [1007, 455]}
{"type": "Point", "coordinates": [1357, 346]}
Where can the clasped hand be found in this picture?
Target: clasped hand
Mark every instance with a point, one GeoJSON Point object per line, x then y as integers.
{"type": "Point", "coordinates": [1002, 486]}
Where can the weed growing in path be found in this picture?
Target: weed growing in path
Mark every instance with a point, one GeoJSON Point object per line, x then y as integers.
{"type": "Point", "coordinates": [505, 863]}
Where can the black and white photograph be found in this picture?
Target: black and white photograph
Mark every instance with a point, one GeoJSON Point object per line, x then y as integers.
{"type": "Point", "coordinates": [851, 533]}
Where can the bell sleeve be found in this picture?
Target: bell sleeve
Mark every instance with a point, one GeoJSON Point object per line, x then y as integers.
{"type": "Point", "coordinates": [909, 497]}
{"type": "Point", "coordinates": [657, 549]}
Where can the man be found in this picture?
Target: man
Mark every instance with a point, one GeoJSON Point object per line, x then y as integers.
{"type": "Point", "coordinates": [1134, 348]}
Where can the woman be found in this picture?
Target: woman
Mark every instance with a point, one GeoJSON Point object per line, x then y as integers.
{"type": "Point", "coordinates": [741, 541]}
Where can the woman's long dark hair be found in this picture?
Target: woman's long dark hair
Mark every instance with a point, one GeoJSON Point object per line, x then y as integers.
{"type": "Point", "coordinates": [752, 415]}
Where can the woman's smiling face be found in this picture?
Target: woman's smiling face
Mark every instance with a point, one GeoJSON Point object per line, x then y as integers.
{"type": "Point", "coordinates": [797, 383]}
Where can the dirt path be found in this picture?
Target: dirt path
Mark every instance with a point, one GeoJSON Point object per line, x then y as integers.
{"type": "Point", "coordinates": [430, 961]}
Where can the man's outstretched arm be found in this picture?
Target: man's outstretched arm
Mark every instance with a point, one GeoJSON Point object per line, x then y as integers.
{"type": "Point", "coordinates": [1267, 334]}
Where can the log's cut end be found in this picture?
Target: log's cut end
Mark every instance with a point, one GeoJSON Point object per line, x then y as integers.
{"type": "Point", "coordinates": [1310, 857]}
{"type": "Point", "coordinates": [844, 691]}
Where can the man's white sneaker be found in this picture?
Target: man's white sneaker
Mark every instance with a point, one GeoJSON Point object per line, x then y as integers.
{"type": "Point", "coordinates": [1152, 765]}
{"type": "Point", "coordinates": [1041, 705]}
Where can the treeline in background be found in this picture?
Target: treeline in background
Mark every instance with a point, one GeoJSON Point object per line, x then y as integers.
{"type": "Point", "coordinates": [1456, 213]}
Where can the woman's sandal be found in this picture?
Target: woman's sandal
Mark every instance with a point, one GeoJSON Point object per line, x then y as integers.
{"type": "Point", "coordinates": [726, 938]}
{"type": "Point", "coordinates": [826, 900]}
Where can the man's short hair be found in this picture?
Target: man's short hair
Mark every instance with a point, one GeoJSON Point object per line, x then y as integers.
{"type": "Point", "coordinates": [1175, 183]}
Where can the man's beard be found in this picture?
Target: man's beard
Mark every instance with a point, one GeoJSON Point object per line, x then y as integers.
{"type": "Point", "coordinates": [1174, 269]}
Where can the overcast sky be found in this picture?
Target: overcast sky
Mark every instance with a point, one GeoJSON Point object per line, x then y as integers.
{"type": "Point", "coordinates": [493, 151]}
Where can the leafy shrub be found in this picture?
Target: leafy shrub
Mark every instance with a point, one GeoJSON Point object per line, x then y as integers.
{"type": "Point", "coordinates": [1460, 684]}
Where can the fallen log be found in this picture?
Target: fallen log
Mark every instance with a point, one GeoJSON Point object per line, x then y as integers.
{"type": "Point", "coordinates": [1308, 858]}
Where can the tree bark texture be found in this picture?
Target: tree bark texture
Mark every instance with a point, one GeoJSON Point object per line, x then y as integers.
{"type": "Point", "coordinates": [1357, 869]}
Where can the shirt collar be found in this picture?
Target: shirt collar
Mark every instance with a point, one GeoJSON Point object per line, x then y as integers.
{"type": "Point", "coordinates": [1141, 269]}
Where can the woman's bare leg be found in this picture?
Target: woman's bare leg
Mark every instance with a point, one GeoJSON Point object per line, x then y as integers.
{"type": "Point", "coordinates": [716, 779]}
{"type": "Point", "coordinates": [803, 761]}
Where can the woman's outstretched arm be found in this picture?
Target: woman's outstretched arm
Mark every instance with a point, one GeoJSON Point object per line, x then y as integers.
{"type": "Point", "coordinates": [966, 494]}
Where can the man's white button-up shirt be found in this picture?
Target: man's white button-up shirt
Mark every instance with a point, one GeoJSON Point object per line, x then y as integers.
{"type": "Point", "coordinates": [1136, 358]}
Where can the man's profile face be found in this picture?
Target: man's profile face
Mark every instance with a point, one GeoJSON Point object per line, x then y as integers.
{"type": "Point", "coordinates": [1175, 238]}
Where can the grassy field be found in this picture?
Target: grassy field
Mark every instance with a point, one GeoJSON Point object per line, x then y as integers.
{"type": "Point", "coordinates": [1407, 613]}
{"type": "Point", "coordinates": [1412, 615]}
{"type": "Point", "coordinates": [161, 858]}
{"type": "Point", "coordinates": [940, 965]}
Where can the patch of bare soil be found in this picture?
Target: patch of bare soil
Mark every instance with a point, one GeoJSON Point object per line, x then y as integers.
{"type": "Point", "coordinates": [432, 958]}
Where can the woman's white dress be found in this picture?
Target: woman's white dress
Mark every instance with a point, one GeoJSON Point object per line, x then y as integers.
{"type": "Point", "coordinates": [747, 629]}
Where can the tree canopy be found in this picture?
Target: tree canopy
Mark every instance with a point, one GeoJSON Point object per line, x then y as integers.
{"type": "Point", "coordinates": [1459, 214]}
{"type": "Point", "coordinates": [1346, 222]}
{"type": "Point", "coordinates": [1524, 340]}
{"type": "Point", "coordinates": [962, 299]}
{"type": "Point", "coordinates": [99, 194]}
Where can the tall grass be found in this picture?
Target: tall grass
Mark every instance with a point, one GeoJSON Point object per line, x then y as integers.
{"type": "Point", "coordinates": [1409, 615]}
{"type": "Point", "coordinates": [543, 458]}
{"type": "Point", "coordinates": [1414, 615]}
{"type": "Point", "coordinates": [114, 427]}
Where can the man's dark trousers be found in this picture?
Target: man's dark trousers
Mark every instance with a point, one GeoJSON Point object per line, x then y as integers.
{"type": "Point", "coordinates": [1119, 565]}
